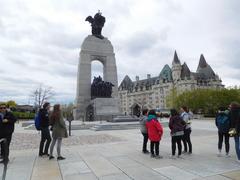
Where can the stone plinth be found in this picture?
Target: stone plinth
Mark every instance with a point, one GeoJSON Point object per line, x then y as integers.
{"type": "Point", "coordinates": [105, 108]}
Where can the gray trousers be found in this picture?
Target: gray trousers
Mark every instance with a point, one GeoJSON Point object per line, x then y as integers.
{"type": "Point", "coordinates": [59, 143]}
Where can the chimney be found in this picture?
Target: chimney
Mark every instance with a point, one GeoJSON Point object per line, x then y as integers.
{"type": "Point", "coordinates": [148, 76]}
{"type": "Point", "coordinates": [137, 78]}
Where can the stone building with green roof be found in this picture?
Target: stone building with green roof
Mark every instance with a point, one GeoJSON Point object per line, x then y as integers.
{"type": "Point", "coordinates": [152, 92]}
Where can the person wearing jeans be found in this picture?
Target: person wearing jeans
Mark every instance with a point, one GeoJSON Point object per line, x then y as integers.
{"type": "Point", "coordinates": [176, 125]}
{"type": "Point", "coordinates": [222, 122]}
{"type": "Point", "coordinates": [143, 129]}
{"type": "Point", "coordinates": [235, 123]}
{"type": "Point", "coordinates": [187, 131]}
{"type": "Point", "coordinates": [59, 131]}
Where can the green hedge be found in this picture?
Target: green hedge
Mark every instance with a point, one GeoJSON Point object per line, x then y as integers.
{"type": "Point", "coordinates": [23, 115]}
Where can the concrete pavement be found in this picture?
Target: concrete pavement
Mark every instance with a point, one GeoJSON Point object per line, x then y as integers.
{"type": "Point", "coordinates": [118, 156]}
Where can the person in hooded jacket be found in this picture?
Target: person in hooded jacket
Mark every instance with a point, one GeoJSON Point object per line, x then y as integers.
{"type": "Point", "coordinates": [155, 132]}
{"type": "Point", "coordinates": [176, 125]}
{"type": "Point", "coordinates": [222, 122]}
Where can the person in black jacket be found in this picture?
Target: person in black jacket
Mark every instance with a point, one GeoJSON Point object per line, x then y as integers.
{"type": "Point", "coordinates": [44, 127]}
{"type": "Point", "coordinates": [235, 124]}
{"type": "Point", "coordinates": [6, 130]}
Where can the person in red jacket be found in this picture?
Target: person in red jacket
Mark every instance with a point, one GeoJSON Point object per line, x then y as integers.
{"type": "Point", "coordinates": [155, 132]}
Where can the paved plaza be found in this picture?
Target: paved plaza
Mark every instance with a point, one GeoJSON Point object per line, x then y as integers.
{"type": "Point", "coordinates": [116, 155]}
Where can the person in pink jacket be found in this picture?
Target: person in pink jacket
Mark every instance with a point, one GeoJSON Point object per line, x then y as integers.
{"type": "Point", "coordinates": [155, 132]}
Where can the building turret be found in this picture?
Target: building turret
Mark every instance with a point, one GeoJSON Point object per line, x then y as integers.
{"type": "Point", "coordinates": [176, 67]}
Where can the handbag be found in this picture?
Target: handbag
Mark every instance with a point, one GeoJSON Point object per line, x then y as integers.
{"type": "Point", "coordinates": [232, 132]}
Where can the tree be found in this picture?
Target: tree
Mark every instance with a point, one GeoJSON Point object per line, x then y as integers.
{"type": "Point", "coordinates": [171, 99]}
{"type": "Point", "coordinates": [11, 103]}
{"type": "Point", "coordinates": [41, 95]}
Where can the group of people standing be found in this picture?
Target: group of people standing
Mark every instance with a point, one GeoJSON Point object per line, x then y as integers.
{"type": "Point", "coordinates": [180, 127]}
{"type": "Point", "coordinates": [228, 124]}
{"type": "Point", "coordinates": [56, 124]}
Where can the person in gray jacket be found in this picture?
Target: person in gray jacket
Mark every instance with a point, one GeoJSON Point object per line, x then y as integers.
{"type": "Point", "coordinates": [143, 129]}
{"type": "Point", "coordinates": [59, 131]}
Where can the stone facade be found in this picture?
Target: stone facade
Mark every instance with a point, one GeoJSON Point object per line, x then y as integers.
{"type": "Point", "coordinates": [152, 92]}
{"type": "Point", "coordinates": [94, 49]}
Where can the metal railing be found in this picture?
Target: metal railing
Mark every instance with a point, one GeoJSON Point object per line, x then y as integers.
{"type": "Point", "coordinates": [5, 158]}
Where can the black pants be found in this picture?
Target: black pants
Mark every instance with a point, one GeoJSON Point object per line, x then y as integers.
{"type": "Point", "coordinates": [154, 144]}
{"type": "Point", "coordinates": [45, 140]}
{"type": "Point", "coordinates": [220, 141]}
{"type": "Point", "coordinates": [176, 140]}
{"type": "Point", "coordinates": [187, 140]}
{"type": "Point", "coordinates": [5, 153]}
{"type": "Point", "coordinates": [145, 140]}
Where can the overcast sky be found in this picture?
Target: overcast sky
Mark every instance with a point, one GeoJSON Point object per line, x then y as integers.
{"type": "Point", "coordinates": [40, 41]}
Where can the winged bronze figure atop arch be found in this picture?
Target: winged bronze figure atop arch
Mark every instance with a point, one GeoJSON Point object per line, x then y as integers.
{"type": "Point", "coordinates": [97, 24]}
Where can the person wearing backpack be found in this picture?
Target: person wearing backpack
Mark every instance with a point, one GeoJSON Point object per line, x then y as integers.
{"type": "Point", "coordinates": [44, 127]}
{"type": "Point", "coordinates": [223, 124]}
{"type": "Point", "coordinates": [143, 129]}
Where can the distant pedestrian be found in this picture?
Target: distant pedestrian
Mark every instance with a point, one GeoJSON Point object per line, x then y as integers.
{"type": "Point", "coordinates": [143, 129]}
{"type": "Point", "coordinates": [187, 130]}
{"type": "Point", "coordinates": [176, 125]}
{"type": "Point", "coordinates": [44, 127]}
{"type": "Point", "coordinates": [6, 130]}
{"type": "Point", "coordinates": [59, 131]}
{"type": "Point", "coordinates": [155, 132]}
{"type": "Point", "coordinates": [235, 125]}
{"type": "Point", "coordinates": [222, 122]}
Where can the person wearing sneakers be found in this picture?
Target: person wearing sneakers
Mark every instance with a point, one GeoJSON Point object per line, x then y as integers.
{"type": "Point", "coordinates": [59, 131]}
{"type": "Point", "coordinates": [155, 132]}
{"type": "Point", "coordinates": [187, 130]}
{"type": "Point", "coordinates": [222, 122]}
{"type": "Point", "coordinates": [143, 129]}
{"type": "Point", "coordinates": [176, 125]}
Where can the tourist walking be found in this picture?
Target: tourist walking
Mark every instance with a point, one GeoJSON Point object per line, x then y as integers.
{"type": "Point", "coordinates": [222, 122]}
{"type": "Point", "coordinates": [143, 129]}
{"type": "Point", "coordinates": [6, 130]}
{"type": "Point", "coordinates": [44, 127]}
{"type": "Point", "coordinates": [235, 125]}
{"type": "Point", "coordinates": [59, 131]}
{"type": "Point", "coordinates": [155, 132]}
{"type": "Point", "coordinates": [176, 125]}
{"type": "Point", "coordinates": [187, 130]}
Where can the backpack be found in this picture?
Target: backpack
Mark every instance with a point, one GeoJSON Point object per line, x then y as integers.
{"type": "Point", "coordinates": [37, 121]}
{"type": "Point", "coordinates": [223, 123]}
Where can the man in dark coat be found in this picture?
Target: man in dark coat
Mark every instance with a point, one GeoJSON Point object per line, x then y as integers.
{"type": "Point", "coordinates": [44, 126]}
{"type": "Point", "coordinates": [6, 130]}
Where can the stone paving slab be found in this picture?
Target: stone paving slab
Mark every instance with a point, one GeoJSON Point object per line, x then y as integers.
{"type": "Point", "coordinates": [233, 175]}
{"type": "Point", "coordinates": [176, 173]}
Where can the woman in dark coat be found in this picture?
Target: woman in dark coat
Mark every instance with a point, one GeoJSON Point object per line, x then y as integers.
{"type": "Point", "coordinates": [59, 131]}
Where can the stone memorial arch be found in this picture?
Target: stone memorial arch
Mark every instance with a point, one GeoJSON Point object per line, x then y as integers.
{"type": "Point", "coordinates": [94, 48]}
